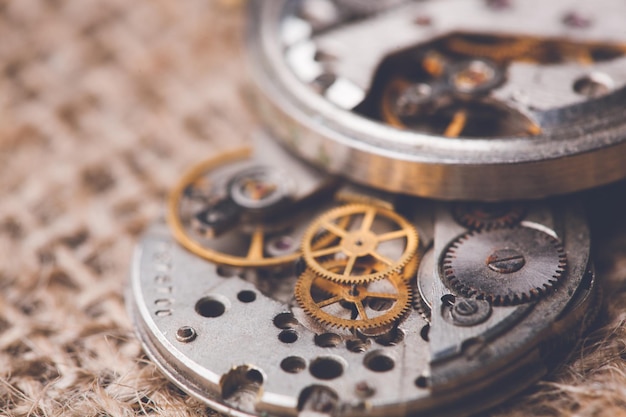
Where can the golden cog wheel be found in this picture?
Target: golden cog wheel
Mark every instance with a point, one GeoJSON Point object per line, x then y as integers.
{"type": "Point", "coordinates": [374, 234]}
{"type": "Point", "coordinates": [193, 194]}
{"type": "Point", "coordinates": [353, 306]}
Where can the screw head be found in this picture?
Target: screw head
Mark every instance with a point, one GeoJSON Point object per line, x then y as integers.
{"type": "Point", "coordinates": [281, 245]}
{"type": "Point", "coordinates": [469, 312]}
{"type": "Point", "coordinates": [475, 76]}
{"type": "Point", "coordinates": [186, 334]}
{"type": "Point", "coordinates": [465, 307]}
{"type": "Point", "coordinates": [506, 261]}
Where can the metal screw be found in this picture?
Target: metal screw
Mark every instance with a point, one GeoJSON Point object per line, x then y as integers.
{"type": "Point", "coordinates": [474, 76]}
{"type": "Point", "coordinates": [506, 261]}
{"type": "Point", "coordinates": [466, 307]}
{"type": "Point", "coordinates": [186, 334]}
{"type": "Point", "coordinates": [470, 312]}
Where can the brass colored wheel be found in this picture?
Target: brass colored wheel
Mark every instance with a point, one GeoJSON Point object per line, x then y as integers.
{"type": "Point", "coordinates": [242, 245]}
{"type": "Point", "coordinates": [374, 234]}
{"type": "Point", "coordinates": [353, 306]}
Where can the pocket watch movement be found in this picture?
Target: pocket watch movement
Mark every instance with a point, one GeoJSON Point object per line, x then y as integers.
{"type": "Point", "coordinates": [450, 99]}
{"type": "Point", "coordinates": [299, 294]}
{"type": "Point", "coordinates": [309, 275]}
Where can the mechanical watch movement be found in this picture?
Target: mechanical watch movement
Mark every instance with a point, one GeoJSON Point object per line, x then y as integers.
{"type": "Point", "coordinates": [277, 290]}
{"type": "Point", "coordinates": [451, 99]}
{"type": "Point", "coordinates": [307, 275]}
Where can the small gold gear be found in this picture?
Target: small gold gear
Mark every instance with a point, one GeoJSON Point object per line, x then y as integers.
{"type": "Point", "coordinates": [360, 244]}
{"type": "Point", "coordinates": [353, 306]}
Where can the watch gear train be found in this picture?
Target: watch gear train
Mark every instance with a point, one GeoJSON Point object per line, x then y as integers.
{"type": "Point", "coordinates": [276, 287]}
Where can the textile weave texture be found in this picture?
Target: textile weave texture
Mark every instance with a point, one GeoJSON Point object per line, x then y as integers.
{"type": "Point", "coordinates": [103, 105]}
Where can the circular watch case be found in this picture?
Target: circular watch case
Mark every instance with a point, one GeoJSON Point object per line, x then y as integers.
{"type": "Point", "coordinates": [451, 99]}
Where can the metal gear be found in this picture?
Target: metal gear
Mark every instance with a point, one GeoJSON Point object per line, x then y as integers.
{"type": "Point", "coordinates": [504, 266]}
{"type": "Point", "coordinates": [353, 306]}
{"type": "Point", "coordinates": [263, 242]}
{"type": "Point", "coordinates": [367, 241]}
{"type": "Point", "coordinates": [478, 216]}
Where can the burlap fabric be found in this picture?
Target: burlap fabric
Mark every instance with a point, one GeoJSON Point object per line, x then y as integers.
{"type": "Point", "coordinates": [103, 105]}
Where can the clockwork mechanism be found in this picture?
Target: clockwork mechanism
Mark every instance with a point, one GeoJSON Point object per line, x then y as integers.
{"type": "Point", "coordinates": [364, 306]}
{"type": "Point", "coordinates": [355, 316]}
{"type": "Point", "coordinates": [236, 210]}
{"type": "Point", "coordinates": [504, 266]}
{"type": "Point", "coordinates": [372, 234]}
{"type": "Point", "coordinates": [276, 288]}
{"type": "Point", "coordinates": [452, 99]}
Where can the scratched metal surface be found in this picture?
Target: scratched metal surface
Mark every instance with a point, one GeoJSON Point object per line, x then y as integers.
{"type": "Point", "coordinates": [103, 104]}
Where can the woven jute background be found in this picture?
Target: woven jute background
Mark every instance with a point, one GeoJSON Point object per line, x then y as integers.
{"type": "Point", "coordinates": [103, 105]}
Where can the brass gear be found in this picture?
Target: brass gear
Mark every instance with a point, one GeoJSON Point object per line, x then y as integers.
{"type": "Point", "coordinates": [353, 306]}
{"type": "Point", "coordinates": [360, 244]}
{"type": "Point", "coordinates": [256, 235]}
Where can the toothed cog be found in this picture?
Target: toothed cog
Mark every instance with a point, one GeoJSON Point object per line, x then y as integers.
{"type": "Point", "coordinates": [353, 306]}
{"type": "Point", "coordinates": [373, 234]}
{"type": "Point", "coordinates": [505, 266]}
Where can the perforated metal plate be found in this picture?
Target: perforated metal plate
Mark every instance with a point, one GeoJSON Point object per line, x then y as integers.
{"type": "Point", "coordinates": [237, 339]}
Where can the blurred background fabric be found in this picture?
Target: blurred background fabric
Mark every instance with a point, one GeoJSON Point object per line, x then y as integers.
{"type": "Point", "coordinates": [103, 105]}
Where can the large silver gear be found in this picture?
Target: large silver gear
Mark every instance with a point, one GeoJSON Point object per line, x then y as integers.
{"type": "Point", "coordinates": [504, 266]}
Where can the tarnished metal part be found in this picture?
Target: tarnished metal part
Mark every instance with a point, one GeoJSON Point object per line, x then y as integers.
{"type": "Point", "coordinates": [277, 290]}
{"type": "Point", "coordinates": [478, 216]}
{"type": "Point", "coordinates": [505, 266]}
{"type": "Point", "coordinates": [556, 92]}
{"type": "Point", "coordinates": [239, 340]}
{"type": "Point", "coordinates": [237, 208]}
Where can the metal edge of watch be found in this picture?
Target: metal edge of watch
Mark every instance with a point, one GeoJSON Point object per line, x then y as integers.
{"type": "Point", "coordinates": [380, 156]}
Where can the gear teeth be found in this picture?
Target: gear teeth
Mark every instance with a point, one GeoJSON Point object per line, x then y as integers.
{"type": "Point", "coordinates": [463, 255]}
{"type": "Point", "coordinates": [469, 215]}
{"type": "Point", "coordinates": [398, 311]}
{"type": "Point", "coordinates": [347, 247]}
